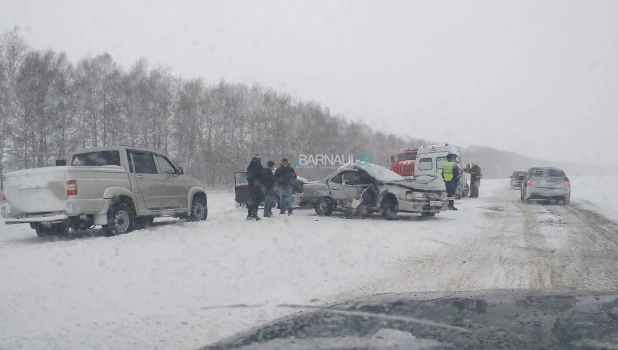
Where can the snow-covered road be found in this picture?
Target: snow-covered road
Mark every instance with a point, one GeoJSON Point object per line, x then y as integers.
{"type": "Point", "coordinates": [183, 285]}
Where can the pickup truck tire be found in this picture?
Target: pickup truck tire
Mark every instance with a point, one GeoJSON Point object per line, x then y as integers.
{"type": "Point", "coordinates": [199, 211]}
{"type": "Point", "coordinates": [324, 207]}
{"type": "Point", "coordinates": [120, 220]}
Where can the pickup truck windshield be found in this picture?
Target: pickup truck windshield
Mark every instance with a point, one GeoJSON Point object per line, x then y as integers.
{"type": "Point", "coordinates": [96, 158]}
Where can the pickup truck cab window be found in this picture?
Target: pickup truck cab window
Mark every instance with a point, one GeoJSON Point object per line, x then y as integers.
{"type": "Point", "coordinates": [142, 162]}
{"type": "Point", "coordinates": [164, 165]}
{"type": "Point", "coordinates": [101, 158]}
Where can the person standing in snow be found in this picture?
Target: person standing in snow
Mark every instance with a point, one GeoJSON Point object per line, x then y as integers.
{"type": "Point", "coordinates": [255, 178]}
{"type": "Point", "coordinates": [450, 174]}
{"type": "Point", "coordinates": [475, 180]}
{"type": "Point", "coordinates": [285, 177]}
{"type": "Point", "coordinates": [269, 188]}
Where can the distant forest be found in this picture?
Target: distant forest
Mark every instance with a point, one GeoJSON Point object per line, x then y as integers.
{"type": "Point", "coordinates": [50, 106]}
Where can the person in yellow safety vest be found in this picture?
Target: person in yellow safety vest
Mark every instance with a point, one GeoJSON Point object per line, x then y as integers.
{"type": "Point", "coordinates": [450, 174]}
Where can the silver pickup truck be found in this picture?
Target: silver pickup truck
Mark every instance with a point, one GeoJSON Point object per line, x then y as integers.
{"type": "Point", "coordinates": [115, 187]}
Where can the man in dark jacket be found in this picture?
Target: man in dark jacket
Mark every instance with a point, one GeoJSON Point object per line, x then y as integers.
{"type": "Point", "coordinates": [285, 176]}
{"type": "Point", "coordinates": [269, 188]}
{"type": "Point", "coordinates": [475, 180]}
{"type": "Point", "coordinates": [255, 178]}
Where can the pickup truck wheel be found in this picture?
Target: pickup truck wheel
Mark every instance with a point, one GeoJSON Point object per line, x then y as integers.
{"type": "Point", "coordinates": [389, 208]}
{"type": "Point", "coordinates": [120, 220]}
{"type": "Point", "coordinates": [198, 209]}
{"type": "Point", "coordinates": [43, 231]}
{"type": "Point", "coordinates": [324, 207]}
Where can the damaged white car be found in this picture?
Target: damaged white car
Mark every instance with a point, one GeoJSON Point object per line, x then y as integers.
{"type": "Point", "coordinates": [364, 189]}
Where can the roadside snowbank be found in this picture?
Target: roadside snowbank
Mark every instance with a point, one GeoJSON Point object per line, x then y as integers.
{"type": "Point", "coordinates": [598, 193]}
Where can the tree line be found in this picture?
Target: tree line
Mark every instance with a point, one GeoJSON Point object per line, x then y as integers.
{"type": "Point", "coordinates": [50, 106]}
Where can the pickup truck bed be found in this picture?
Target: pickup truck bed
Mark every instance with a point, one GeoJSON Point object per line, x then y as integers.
{"type": "Point", "coordinates": [40, 195]}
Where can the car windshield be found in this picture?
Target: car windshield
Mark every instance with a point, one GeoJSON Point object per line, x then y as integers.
{"type": "Point", "coordinates": [271, 174]}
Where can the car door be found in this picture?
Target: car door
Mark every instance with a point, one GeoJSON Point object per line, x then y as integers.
{"type": "Point", "coordinates": [174, 188]}
{"type": "Point", "coordinates": [241, 187]}
{"type": "Point", "coordinates": [143, 172]}
{"type": "Point", "coordinates": [342, 186]}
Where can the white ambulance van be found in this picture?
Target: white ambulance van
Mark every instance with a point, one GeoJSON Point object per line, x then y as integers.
{"type": "Point", "coordinates": [430, 161]}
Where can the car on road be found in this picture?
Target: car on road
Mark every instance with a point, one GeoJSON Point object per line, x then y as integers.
{"type": "Point", "coordinates": [517, 178]}
{"type": "Point", "coordinates": [546, 183]}
{"type": "Point", "coordinates": [365, 189]}
{"type": "Point", "coordinates": [116, 187]}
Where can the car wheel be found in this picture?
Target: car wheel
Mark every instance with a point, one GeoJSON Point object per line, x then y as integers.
{"type": "Point", "coordinates": [324, 207]}
{"type": "Point", "coordinates": [427, 214]}
{"type": "Point", "coordinates": [389, 208]}
{"type": "Point", "coordinates": [120, 220]}
{"type": "Point", "coordinates": [566, 200]}
{"type": "Point", "coordinates": [199, 210]}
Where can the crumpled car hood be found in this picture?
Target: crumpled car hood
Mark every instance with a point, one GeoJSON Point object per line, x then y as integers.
{"type": "Point", "coordinates": [423, 183]}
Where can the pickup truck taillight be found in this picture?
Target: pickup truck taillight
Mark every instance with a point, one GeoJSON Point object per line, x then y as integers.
{"type": "Point", "coordinates": [71, 188]}
{"type": "Point", "coordinates": [3, 197]}
{"type": "Point", "coordinates": [529, 181]}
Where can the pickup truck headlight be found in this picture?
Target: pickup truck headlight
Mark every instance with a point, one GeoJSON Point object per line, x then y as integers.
{"type": "Point", "coordinates": [410, 195]}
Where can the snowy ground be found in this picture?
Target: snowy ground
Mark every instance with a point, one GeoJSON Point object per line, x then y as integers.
{"type": "Point", "coordinates": [599, 193]}
{"type": "Point", "coordinates": [182, 285]}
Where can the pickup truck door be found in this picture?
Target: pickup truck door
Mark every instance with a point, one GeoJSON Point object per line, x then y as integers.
{"type": "Point", "coordinates": [175, 188]}
{"type": "Point", "coordinates": [143, 172]}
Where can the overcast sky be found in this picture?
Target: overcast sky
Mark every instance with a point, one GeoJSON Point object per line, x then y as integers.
{"type": "Point", "coordinates": [535, 77]}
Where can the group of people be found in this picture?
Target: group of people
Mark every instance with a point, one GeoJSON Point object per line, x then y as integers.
{"type": "Point", "coordinates": [262, 182]}
{"type": "Point", "coordinates": [451, 174]}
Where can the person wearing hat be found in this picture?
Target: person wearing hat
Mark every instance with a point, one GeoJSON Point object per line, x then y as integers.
{"type": "Point", "coordinates": [269, 187]}
{"type": "Point", "coordinates": [284, 178]}
{"type": "Point", "coordinates": [450, 174]}
{"type": "Point", "coordinates": [255, 179]}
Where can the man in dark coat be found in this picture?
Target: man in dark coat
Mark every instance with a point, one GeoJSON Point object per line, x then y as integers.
{"type": "Point", "coordinates": [255, 178]}
{"type": "Point", "coordinates": [285, 176]}
{"type": "Point", "coordinates": [475, 180]}
{"type": "Point", "coordinates": [269, 188]}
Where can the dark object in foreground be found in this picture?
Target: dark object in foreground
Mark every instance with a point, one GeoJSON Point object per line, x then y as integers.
{"type": "Point", "coordinates": [494, 320]}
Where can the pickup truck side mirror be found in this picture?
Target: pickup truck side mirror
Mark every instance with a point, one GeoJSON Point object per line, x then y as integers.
{"type": "Point", "coordinates": [61, 162]}
{"type": "Point", "coordinates": [180, 170]}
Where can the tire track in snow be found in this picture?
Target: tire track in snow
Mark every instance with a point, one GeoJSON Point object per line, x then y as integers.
{"type": "Point", "coordinates": [590, 256]}
{"type": "Point", "coordinates": [516, 245]}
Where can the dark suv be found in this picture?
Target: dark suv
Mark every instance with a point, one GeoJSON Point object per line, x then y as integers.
{"type": "Point", "coordinates": [517, 179]}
